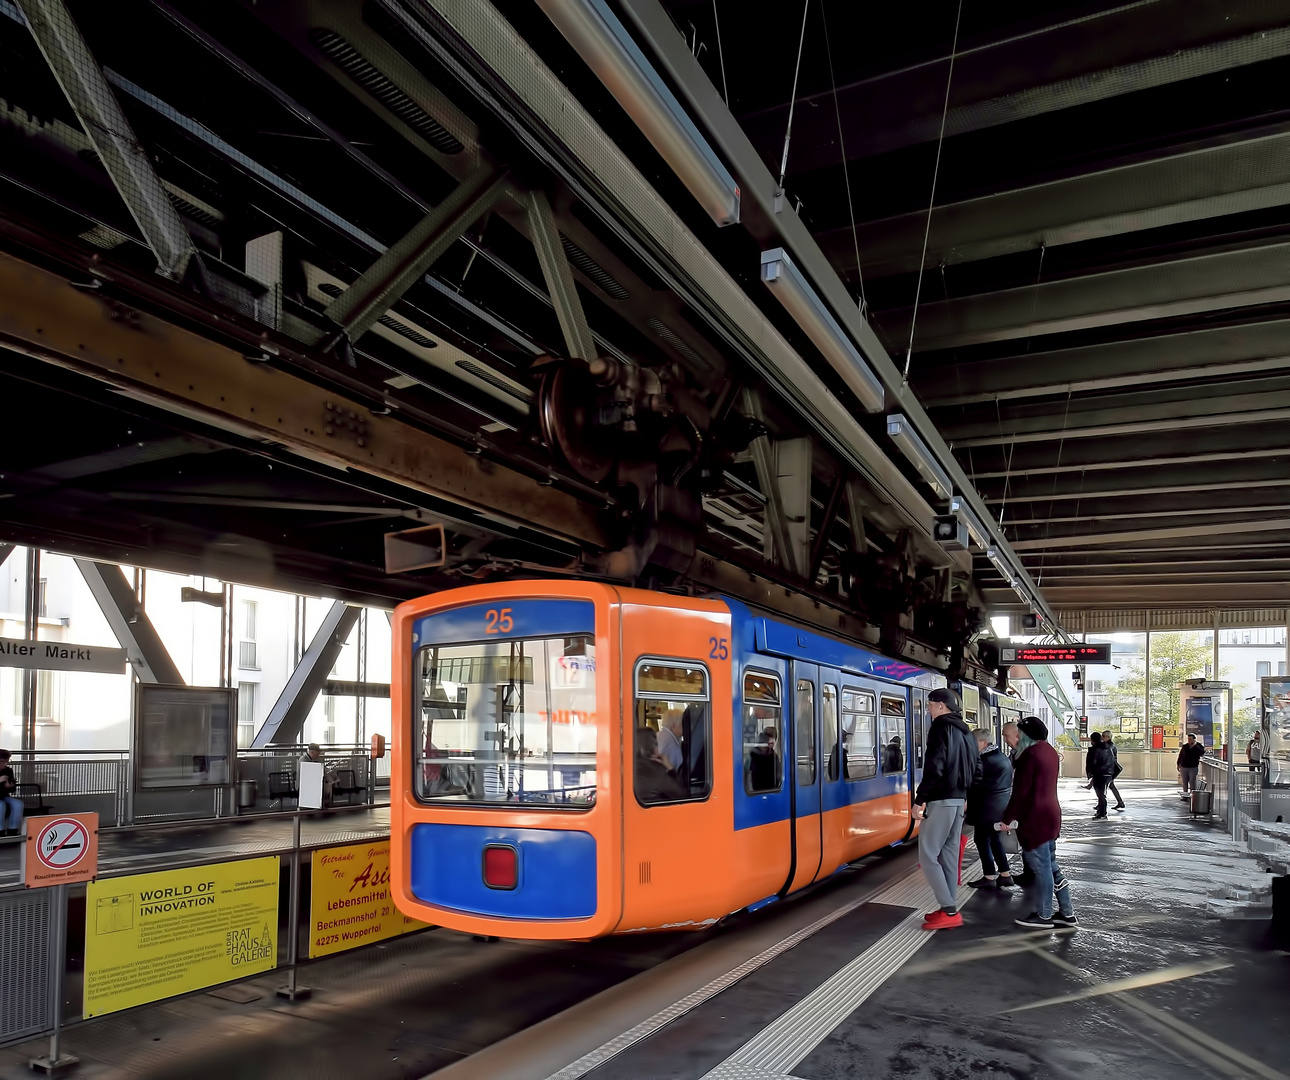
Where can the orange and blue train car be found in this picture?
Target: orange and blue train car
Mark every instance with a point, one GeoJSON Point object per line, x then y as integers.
{"type": "Point", "coordinates": [571, 760]}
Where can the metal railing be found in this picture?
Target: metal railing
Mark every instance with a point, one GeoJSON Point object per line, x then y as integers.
{"type": "Point", "coordinates": [98, 781]}
{"type": "Point", "coordinates": [1215, 776]}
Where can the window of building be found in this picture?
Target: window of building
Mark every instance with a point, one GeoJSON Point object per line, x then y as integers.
{"type": "Point", "coordinates": [247, 653]}
{"type": "Point", "coordinates": [246, 694]}
{"type": "Point", "coordinates": [45, 695]}
{"type": "Point", "coordinates": [42, 599]}
{"type": "Point", "coordinates": [805, 748]}
{"type": "Point", "coordinates": [329, 718]}
{"type": "Point", "coordinates": [673, 730]}
{"type": "Point", "coordinates": [762, 726]}
{"type": "Point", "coordinates": [1262, 669]}
{"type": "Point", "coordinates": [859, 735]}
{"type": "Point", "coordinates": [893, 734]}
{"type": "Point", "coordinates": [1281, 667]}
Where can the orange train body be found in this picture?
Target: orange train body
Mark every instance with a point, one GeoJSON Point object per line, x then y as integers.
{"type": "Point", "coordinates": [571, 760]}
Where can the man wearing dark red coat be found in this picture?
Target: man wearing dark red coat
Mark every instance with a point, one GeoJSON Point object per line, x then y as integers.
{"type": "Point", "coordinates": [1038, 817]}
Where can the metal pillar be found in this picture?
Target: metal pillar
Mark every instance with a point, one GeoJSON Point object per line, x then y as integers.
{"type": "Point", "coordinates": [286, 719]}
{"type": "Point", "coordinates": [791, 477]}
{"type": "Point", "coordinates": [69, 58]}
{"type": "Point", "coordinates": [57, 1061]}
{"type": "Point", "coordinates": [559, 278]}
{"type": "Point", "coordinates": [129, 622]}
{"type": "Point", "coordinates": [1147, 666]}
{"type": "Point", "coordinates": [31, 630]}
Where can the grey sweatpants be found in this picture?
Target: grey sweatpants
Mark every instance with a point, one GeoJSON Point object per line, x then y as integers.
{"type": "Point", "coordinates": [938, 849]}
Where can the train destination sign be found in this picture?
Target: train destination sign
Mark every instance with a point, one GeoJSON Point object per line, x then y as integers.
{"type": "Point", "coordinates": [1056, 654]}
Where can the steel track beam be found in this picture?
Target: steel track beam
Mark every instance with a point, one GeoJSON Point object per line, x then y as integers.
{"type": "Point", "coordinates": [129, 623]}
{"type": "Point", "coordinates": [127, 163]}
{"type": "Point", "coordinates": [1213, 281]}
{"type": "Point", "coordinates": [286, 719]}
{"type": "Point", "coordinates": [559, 277]}
{"type": "Point", "coordinates": [1252, 173]}
{"type": "Point", "coordinates": [407, 260]}
{"type": "Point", "coordinates": [45, 316]}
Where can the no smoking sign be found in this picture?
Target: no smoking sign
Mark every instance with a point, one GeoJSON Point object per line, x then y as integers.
{"type": "Point", "coordinates": [61, 849]}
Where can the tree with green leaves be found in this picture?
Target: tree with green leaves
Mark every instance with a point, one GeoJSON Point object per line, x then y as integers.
{"type": "Point", "coordinates": [1175, 657]}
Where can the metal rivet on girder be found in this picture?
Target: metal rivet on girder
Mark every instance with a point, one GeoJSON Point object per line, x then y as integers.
{"type": "Point", "coordinates": [328, 405]}
{"type": "Point", "coordinates": [328, 431]}
{"type": "Point", "coordinates": [362, 442]}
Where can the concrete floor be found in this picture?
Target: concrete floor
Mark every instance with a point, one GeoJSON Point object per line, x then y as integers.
{"type": "Point", "coordinates": [1208, 996]}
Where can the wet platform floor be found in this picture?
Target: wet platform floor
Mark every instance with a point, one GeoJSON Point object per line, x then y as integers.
{"type": "Point", "coordinates": [839, 983]}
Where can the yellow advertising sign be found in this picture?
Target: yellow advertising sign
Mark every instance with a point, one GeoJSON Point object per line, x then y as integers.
{"type": "Point", "coordinates": [351, 903]}
{"type": "Point", "coordinates": [151, 936]}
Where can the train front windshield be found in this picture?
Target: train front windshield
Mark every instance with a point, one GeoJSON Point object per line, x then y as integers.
{"type": "Point", "coordinates": [507, 722]}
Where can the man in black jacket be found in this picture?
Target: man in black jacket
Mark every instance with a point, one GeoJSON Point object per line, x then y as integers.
{"type": "Point", "coordinates": [950, 766]}
{"type": "Point", "coordinates": [1189, 762]}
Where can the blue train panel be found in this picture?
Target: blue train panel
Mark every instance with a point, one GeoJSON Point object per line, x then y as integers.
{"type": "Point", "coordinates": [556, 871]}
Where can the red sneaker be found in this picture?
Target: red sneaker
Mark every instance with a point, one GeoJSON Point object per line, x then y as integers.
{"type": "Point", "coordinates": [939, 920]}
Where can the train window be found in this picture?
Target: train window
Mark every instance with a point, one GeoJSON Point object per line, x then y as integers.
{"type": "Point", "coordinates": [805, 749]}
{"type": "Point", "coordinates": [672, 732]}
{"type": "Point", "coordinates": [763, 763]}
{"type": "Point", "coordinates": [893, 734]}
{"type": "Point", "coordinates": [859, 735]}
{"type": "Point", "coordinates": [508, 722]}
{"type": "Point", "coordinates": [829, 707]}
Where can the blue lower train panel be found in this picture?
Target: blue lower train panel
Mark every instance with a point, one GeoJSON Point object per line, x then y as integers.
{"type": "Point", "coordinates": [557, 871]}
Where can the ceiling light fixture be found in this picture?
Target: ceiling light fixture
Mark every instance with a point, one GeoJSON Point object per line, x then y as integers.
{"type": "Point", "coordinates": [791, 289]}
{"type": "Point", "coordinates": [915, 450]}
{"type": "Point", "coordinates": [611, 52]}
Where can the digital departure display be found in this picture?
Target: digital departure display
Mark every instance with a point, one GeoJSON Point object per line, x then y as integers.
{"type": "Point", "coordinates": [1056, 654]}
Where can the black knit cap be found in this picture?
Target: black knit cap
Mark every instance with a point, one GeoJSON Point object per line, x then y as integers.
{"type": "Point", "coordinates": [946, 697]}
{"type": "Point", "coordinates": [1033, 727]}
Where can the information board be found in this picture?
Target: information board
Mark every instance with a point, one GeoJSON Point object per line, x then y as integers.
{"type": "Point", "coordinates": [1056, 654]}
{"type": "Point", "coordinates": [350, 901]}
{"type": "Point", "coordinates": [151, 936]}
{"type": "Point", "coordinates": [183, 735]}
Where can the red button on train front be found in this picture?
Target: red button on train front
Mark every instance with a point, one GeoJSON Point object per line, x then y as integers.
{"type": "Point", "coordinates": [501, 867]}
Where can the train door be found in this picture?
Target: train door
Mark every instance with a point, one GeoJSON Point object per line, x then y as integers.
{"type": "Point", "coordinates": [834, 750]}
{"type": "Point", "coordinates": [805, 776]}
{"type": "Point", "coordinates": [918, 731]}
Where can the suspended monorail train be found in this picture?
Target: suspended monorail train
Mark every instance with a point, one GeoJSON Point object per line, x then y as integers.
{"type": "Point", "coordinates": [573, 759]}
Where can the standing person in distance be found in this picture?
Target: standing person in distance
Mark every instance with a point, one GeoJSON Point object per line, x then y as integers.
{"type": "Point", "coordinates": [1038, 814]}
{"type": "Point", "coordinates": [1108, 740]}
{"type": "Point", "coordinates": [986, 800]}
{"type": "Point", "coordinates": [1254, 751]}
{"type": "Point", "coordinates": [1189, 763]}
{"type": "Point", "coordinates": [950, 766]}
{"type": "Point", "coordinates": [1099, 767]}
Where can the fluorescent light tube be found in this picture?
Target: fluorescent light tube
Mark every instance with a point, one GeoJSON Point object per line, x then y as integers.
{"type": "Point", "coordinates": [612, 53]}
{"type": "Point", "coordinates": [792, 290]}
{"type": "Point", "coordinates": [915, 450]}
{"type": "Point", "coordinates": [978, 531]}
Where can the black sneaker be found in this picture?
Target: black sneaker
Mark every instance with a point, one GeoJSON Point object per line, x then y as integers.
{"type": "Point", "coordinates": [1034, 922]}
{"type": "Point", "coordinates": [1060, 920]}
{"type": "Point", "coordinates": [1006, 882]}
{"type": "Point", "coordinates": [982, 883]}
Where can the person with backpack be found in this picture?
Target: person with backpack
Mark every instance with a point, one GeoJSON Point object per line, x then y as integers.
{"type": "Point", "coordinates": [1099, 767]}
{"type": "Point", "coordinates": [950, 766]}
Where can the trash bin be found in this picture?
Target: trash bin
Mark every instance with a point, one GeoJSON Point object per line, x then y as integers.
{"type": "Point", "coordinates": [1202, 802]}
{"type": "Point", "coordinates": [245, 794]}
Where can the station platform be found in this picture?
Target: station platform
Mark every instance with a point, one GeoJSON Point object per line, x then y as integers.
{"type": "Point", "coordinates": [1161, 980]}
{"type": "Point", "coordinates": [137, 849]}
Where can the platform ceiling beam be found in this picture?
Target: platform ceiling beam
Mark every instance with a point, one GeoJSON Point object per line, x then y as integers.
{"type": "Point", "coordinates": [129, 623]}
{"type": "Point", "coordinates": [176, 369]}
{"type": "Point", "coordinates": [286, 720]}
{"type": "Point", "coordinates": [1124, 49]}
{"type": "Point", "coordinates": [1192, 184]}
{"type": "Point", "coordinates": [1208, 353]}
{"type": "Point", "coordinates": [123, 156]}
{"type": "Point", "coordinates": [559, 277]}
